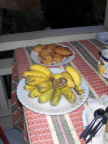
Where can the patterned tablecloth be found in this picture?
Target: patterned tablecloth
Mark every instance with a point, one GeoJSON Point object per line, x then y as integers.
{"type": "Point", "coordinates": [63, 129]}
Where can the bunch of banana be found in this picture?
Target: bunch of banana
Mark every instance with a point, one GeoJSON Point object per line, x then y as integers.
{"type": "Point", "coordinates": [45, 85]}
{"type": "Point", "coordinates": [38, 82]}
{"type": "Point", "coordinates": [61, 88]}
{"type": "Point", "coordinates": [76, 78]}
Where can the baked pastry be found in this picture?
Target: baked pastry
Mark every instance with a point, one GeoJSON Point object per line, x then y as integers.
{"type": "Point", "coordinates": [50, 48]}
{"type": "Point", "coordinates": [63, 50]}
{"type": "Point", "coordinates": [39, 48]}
{"type": "Point", "coordinates": [57, 58]}
{"type": "Point", "coordinates": [45, 57]}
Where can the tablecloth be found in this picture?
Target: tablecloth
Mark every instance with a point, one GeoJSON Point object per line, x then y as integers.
{"type": "Point", "coordinates": [61, 129]}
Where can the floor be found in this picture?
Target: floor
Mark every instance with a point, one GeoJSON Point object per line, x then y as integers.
{"type": "Point", "coordinates": [14, 136]}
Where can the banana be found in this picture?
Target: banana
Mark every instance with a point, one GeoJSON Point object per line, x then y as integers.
{"type": "Point", "coordinates": [66, 74]}
{"type": "Point", "coordinates": [29, 88]}
{"type": "Point", "coordinates": [70, 83]}
{"type": "Point", "coordinates": [35, 80]}
{"type": "Point", "coordinates": [33, 73]}
{"type": "Point", "coordinates": [40, 68]}
{"type": "Point", "coordinates": [68, 94]}
{"type": "Point", "coordinates": [56, 97]}
{"type": "Point", "coordinates": [34, 93]}
{"type": "Point", "coordinates": [74, 75]}
{"type": "Point", "coordinates": [79, 90]}
{"type": "Point", "coordinates": [44, 86]}
{"type": "Point", "coordinates": [44, 97]}
{"type": "Point", "coordinates": [60, 83]}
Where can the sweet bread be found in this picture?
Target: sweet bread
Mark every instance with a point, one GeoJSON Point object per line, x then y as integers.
{"type": "Point", "coordinates": [39, 48]}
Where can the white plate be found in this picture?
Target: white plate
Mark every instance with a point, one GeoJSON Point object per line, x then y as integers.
{"type": "Point", "coordinates": [103, 37]}
{"type": "Point", "coordinates": [34, 56]}
{"type": "Point", "coordinates": [62, 108]}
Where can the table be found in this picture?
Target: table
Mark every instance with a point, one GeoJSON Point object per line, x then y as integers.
{"type": "Point", "coordinates": [63, 129]}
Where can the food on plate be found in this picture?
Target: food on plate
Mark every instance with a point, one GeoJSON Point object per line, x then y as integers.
{"type": "Point", "coordinates": [68, 94]}
{"type": "Point", "coordinates": [74, 75]}
{"type": "Point", "coordinates": [35, 80]}
{"type": "Point", "coordinates": [45, 57]}
{"type": "Point", "coordinates": [70, 82]}
{"type": "Point", "coordinates": [56, 97]}
{"type": "Point", "coordinates": [57, 57]}
{"type": "Point", "coordinates": [63, 50]}
{"type": "Point", "coordinates": [60, 83]}
{"type": "Point", "coordinates": [44, 97]}
{"type": "Point", "coordinates": [44, 86]}
{"type": "Point", "coordinates": [33, 73]}
{"type": "Point", "coordinates": [34, 93]}
{"type": "Point", "coordinates": [29, 88]}
{"type": "Point", "coordinates": [79, 90]}
{"type": "Point", "coordinates": [51, 48]}
{"type": "Point", "coordinates": [66, 74]}
{"type": "Point", "coordinates": [40, 68]}
{"type": "Point", "coordinates": [52, 52]}
{"type": "Point", "coordinates": [39, 47]}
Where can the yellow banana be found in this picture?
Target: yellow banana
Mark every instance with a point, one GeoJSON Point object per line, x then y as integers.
{"type": "Point", "coordinates": [56, 97]}
{"type": "Point", "coordinates": [44, 86]}
{"type": "Point", "coordinates": [29, 88]}
{"type": "Point", "coordinates": [34, 93]}
{"type": "Point", "coordinates": [44, 97]}
{"type": "Point", "coordinates": [33, 73]}
{"type": "Point", "coordinates": [70, 83]}
{"type": "Point", "coordinates": [74, 75]}
{"type": "Point", "coordinates": [35, 80]}
{"type": "Point", "coordinates": [68, 94]}
{"type": "Point", "coordinates": [41, 68]}
{"type": "Point", "coordinates": [66, 74]}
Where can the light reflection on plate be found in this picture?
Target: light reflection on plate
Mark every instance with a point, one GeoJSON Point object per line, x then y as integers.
{"type": "Point", "coordinates": [36, 59]}
{"type": "Point", "coordinates": [62, 108]}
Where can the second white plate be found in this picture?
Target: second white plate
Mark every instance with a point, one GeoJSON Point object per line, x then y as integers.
{"type": "Point", "coordinates": [34, 56]}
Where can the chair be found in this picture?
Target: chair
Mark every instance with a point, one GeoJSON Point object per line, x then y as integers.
{"type": "Point", "coordinates": [3, 136]}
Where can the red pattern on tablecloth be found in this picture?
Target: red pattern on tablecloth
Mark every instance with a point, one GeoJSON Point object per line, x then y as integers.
{"type": "Point", "coordinates": [91, 47]}
{"type": "Point", "coordinates": [38, 127]}
{"type": "Point", "coordinates": [22, 62]}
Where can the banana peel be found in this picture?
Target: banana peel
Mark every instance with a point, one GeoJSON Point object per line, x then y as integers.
{"type": "Point", "coordinates": [41, 68]}
{"type": "Point", "coordinates": [70, 82]}
{"type": "Point", "coordinates": [44, 86]}
{"type": "Point", "coordinates": [34, 93]}
{"type": "Point", "coordinates": [44, 97]}
{"type": "Point", "coordinates": [35, 80]}
{"type": "Point", "coordinates": [68, 94]}
{"type": "Point", "coordinates": [33, 73]}
{"type": "Point", "coordinates": [56, 97]}
{"type": "Point", "coordinates": [60, 83]}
